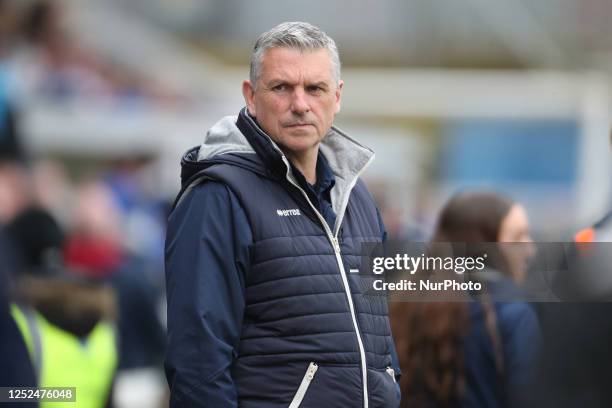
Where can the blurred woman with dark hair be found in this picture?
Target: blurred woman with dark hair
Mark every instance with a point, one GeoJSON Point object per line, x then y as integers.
{"type": "Point", "coordinates": [479, 352]}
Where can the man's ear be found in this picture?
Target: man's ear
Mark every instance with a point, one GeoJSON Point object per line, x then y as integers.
{"type": "Point", "coordinates": [249, 96]}
{"type": "Point", "coordinates": [339, 95]}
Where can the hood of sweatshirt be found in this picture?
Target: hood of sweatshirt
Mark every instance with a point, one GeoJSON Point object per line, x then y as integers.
{"type": "Point", "coordinates": [239, 141]}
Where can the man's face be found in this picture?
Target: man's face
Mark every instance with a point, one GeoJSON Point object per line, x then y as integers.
{"type": "Point", "coordinates": [295, 98]}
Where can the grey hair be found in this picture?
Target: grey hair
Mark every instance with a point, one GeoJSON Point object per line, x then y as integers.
{"type": "Point", "coordinates": [298, 35]}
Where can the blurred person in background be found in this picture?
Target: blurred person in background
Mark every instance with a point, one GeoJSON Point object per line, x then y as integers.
{"type": "Point", "coordinates": [270, 217]}
{"type": "Point", "coordinates": [52, 189]}
{"type": "Point", "coordinates": [133, 183]}
{"type": "Point", "coordinates": [66, 322]}
{"type": "Point", "coordinates": [477, 352]}
{"type": "Point", "coordinates": [17, 370]}
{"type": "Point", "coordinates": [95, 249]}
{"type": "Point", "coordinates": [49, 61]}
{"type": "Point", "coordinates": [14, 194]}
{"type": "Point", "coordinates": [51, 64]}
{"type": "Point", "coordinates": [11, 145]}
{"type": "Point", "coordinates": [576, 362]}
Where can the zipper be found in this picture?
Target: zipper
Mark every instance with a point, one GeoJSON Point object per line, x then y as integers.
{"type": "Point", "coordinates": [336, 245]}
{"type": "Point", "coordinates": [301, 391]}
{"type": "Point", "coordinates": [391, 372]}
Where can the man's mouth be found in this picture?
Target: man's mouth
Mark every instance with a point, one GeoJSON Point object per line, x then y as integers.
{"type": "Point", "coordinates": [298, 124]}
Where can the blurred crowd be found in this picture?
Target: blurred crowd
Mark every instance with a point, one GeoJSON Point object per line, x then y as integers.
{"type": "Point", "coordinates": [43, 61]}
{"type": "Point", "coordinates": [81, 254]}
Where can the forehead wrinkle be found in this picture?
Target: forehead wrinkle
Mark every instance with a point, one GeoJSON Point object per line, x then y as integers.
{"type": "Point", "coordinates": [298, 79]}
{"type": "Point", "coordinates": [279, 73]}
{"type": "Point", "coordinates": [292, 70]}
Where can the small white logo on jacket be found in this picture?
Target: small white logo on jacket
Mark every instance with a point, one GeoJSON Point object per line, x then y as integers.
{"type": "Point", "coordinates": [287, 213]}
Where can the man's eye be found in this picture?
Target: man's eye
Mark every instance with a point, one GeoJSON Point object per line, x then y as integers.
{"type": "Point", "coordinates": [314, 89]}
{"type": "Point", "coordinates": [279, 88]}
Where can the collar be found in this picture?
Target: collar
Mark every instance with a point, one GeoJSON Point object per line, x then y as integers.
{"type": "Point", "coordinates": [325, 177]}
{"type": "Point", "coordinates": [346, 158]}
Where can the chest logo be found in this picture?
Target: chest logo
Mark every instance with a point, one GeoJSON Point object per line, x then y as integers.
{"type": "Point", "coordinates": [288, 213]}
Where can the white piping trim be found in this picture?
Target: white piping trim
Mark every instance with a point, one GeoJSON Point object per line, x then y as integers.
{"type": "Point", "coordinates": [336, 247]}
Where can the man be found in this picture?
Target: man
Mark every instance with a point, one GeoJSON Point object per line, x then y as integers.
{"type": "Point", "coordinates": [262, 309]}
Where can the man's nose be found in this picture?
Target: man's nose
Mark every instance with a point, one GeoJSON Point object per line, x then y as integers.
{"type": "Point", "coordinates": [299, 103]}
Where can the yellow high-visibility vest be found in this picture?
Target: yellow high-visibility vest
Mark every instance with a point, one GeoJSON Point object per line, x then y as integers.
{"type": "Point", "coordinates": [63, 360]}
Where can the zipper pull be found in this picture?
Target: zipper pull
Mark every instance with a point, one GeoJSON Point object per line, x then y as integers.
{"type": "Point", "coordinates": [391, 372]}
{"type": "Point", "coordinates": [336, 244]}
{"type": "Point", "coordinates": [311, 371]}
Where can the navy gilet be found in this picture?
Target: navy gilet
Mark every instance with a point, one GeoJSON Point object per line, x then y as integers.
{"type": "Point", "coordinates": [298, 311]}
